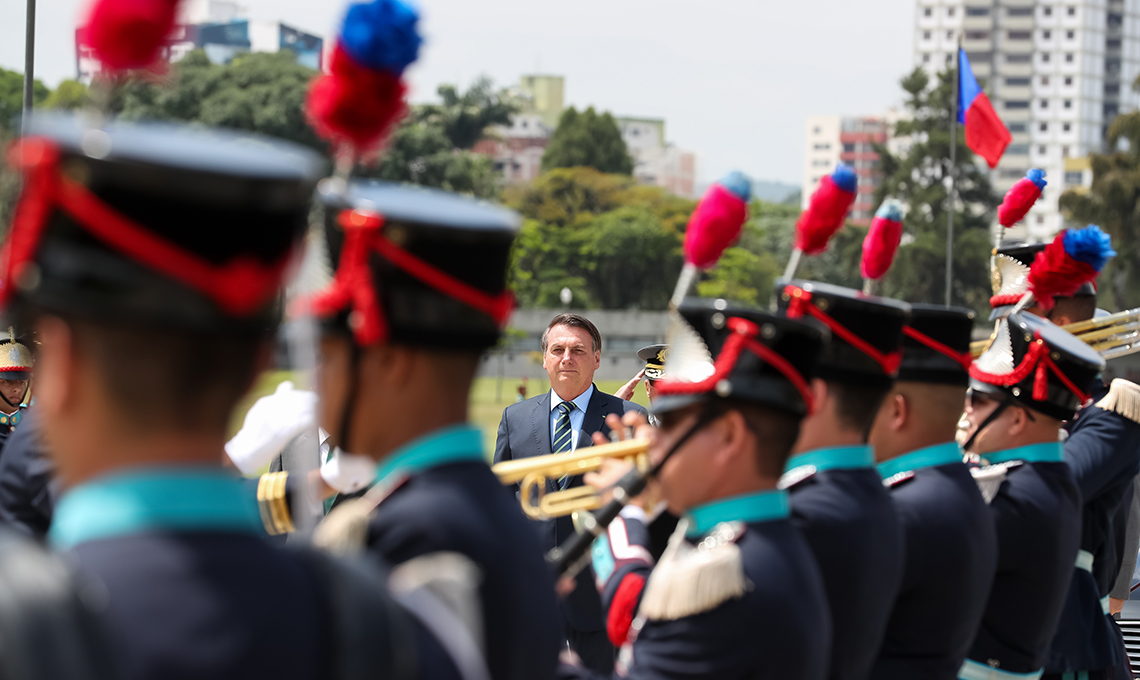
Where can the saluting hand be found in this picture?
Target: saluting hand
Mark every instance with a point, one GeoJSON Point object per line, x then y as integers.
{"type": "Point", "coordinates": [626, 391]}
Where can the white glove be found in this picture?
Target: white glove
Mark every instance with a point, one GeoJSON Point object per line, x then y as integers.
{"type": "Point", "coordinates": [348, 472]}
{"type": "Point", "coordinates": [270, 425]}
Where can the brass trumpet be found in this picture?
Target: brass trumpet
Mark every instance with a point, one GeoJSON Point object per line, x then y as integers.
{"type": "Point", "coordinates": [1115, 335]}
{"type": "Point", "coordinates": [531, 475]}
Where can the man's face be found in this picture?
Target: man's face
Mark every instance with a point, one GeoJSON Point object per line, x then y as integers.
{"type": "Point", "coordinates": [651, 389]}
{"type": "Point", "coordinates": [14, 391]}
{"type": "Point", "coordinates": [685, 480]}
{"type": "Point", "coordinates": [570, 360]}
{"type": "Point", "coordinates": [993, 438]}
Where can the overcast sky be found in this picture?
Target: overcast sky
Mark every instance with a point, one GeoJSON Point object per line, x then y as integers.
{"type": "Point", "coordinates": [733, 79]}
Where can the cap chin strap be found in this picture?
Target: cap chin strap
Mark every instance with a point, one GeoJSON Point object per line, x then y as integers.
{"type": "Point", "coordinates": [350, 398]}
{"type": "Point", "coordinates": [1002, 406]}
{"type": "Point", "coordinates": [17, 404]}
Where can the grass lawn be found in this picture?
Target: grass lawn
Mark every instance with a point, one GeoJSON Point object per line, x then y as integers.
{"type": "Point", "coordinates": [487, 399]}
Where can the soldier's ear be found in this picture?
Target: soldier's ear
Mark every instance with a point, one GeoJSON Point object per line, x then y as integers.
{"type": "Point", "coordinates": [900, 410]}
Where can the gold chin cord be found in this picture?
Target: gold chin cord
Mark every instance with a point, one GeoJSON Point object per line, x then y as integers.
{"type": "Point", "coordinates": [531, 474]}
{"type": "Point", "coordinates": [1115, 335]}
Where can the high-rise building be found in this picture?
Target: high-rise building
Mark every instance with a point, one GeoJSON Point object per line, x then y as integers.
{"type": "Point", "coordinates": [655, 161]}
{"type": "Point", "coordinates": [830, 140]}
{"type": "Point", "coordinates": [544, 95]}
{"type": "Point", "coordinates": [1057, 72]}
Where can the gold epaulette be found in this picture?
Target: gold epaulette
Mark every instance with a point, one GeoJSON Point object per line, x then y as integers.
{"type": "Point", "coordinates": [273, 505]}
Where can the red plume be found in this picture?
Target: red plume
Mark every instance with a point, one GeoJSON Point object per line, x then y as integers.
{"type": "Point", "coordinates": [1021, 197]}
{"type": "Point", "coordinates": [827, 211]}
{"type": "Point", "coordinates": [882, 240]}
{"type": "Point", "coordinates": [355, 105]}
{"type": "Point", "coordinates": [127, 34]}
{"type": "Point", "coordinates": [715, 224]}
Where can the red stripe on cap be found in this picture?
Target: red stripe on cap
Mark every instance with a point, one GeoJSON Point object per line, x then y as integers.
{"type": "Point", "coordinates": [1038, 361]}
{"type": "Point", "coordinates": [799, 303]}
{"type": "Point", "coordinates": [964, 360]}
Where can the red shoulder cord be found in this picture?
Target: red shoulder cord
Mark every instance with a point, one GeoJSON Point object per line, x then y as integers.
{"type": "Point", "coordinates": [743, 337]}
{"type": "Point", "coordinates": [240, 287]}
{"type": "Point", "coordinates": [1037, 359]}
{"type": "Point", "coordinates": [964, 360]}
{"type": "Point", "coordinates": [353, 287]}
{"type": "Point", "coordinates": [1004, 300]}
{"type": "Point", "coordinates": [799, 303]}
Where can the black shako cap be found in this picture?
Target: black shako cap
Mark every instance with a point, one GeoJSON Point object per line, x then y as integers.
{"type": "Point", "coordinates": [876, 320]}
{"type": "Point", "coordinates": [1014, 337]}
{"type": "Point", "coordinates": [468, 239]}
{"type": "Point", "coordinates": [950, 326]}
{"type": "Point", "coordinates": [752, 379]}
{"type": "Point", "coordinates": [1023, 253]}
{"type": "Point", "coordinates": [219, 195]}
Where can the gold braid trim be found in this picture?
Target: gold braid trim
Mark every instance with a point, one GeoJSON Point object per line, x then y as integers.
{"type": "Point", "coordinates": [1123, 398]}
{"type": "Point", "coordinates": [271, 502]}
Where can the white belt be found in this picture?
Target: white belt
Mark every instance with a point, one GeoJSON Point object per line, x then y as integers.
{"type": "Point", "coordinates": [972, 670]}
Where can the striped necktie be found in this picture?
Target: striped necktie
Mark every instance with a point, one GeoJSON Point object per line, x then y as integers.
{"type": "Point", "coordinates": [563, 434]}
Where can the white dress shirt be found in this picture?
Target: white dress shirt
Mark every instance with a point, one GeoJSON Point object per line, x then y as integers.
{"type": "Point", "coordinates": [576, 416]}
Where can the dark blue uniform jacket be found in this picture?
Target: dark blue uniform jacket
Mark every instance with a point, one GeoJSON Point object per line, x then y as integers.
{"type": "Point", "coordinates": [28, 488]}
{"type": "Point", "coordinates": [850, 523]}
{"type": "Point", "coordinates": [778, 630]}
{"type": "Point", "coordinates": [951, 554]}
{"type": "Point", "coordinates": [1103, 452]}
{"type": "Point", "coordinates": [445, 498]}
{"type": "Point", "coordinates": [1037, 514]}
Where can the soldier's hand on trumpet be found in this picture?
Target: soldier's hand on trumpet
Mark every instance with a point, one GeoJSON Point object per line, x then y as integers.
{"type": "Point", "coordinates": [631, 425]}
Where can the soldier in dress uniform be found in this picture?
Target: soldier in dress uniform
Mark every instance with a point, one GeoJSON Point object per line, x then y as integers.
{"type": "Point", "coordinates": [149, 258]}
{"type": "Point", "coordinates": [419, 293]}
{"type": "Point", "coordinates": [838, 499]}
{"type": "Point", "coordinates": [1100, 449]}
{"type": "Point", "coordinates": [737, 593]}
{"type": "Point", "coordinates": [951, 543]}
{"type": "Point", "coordinates": [1030, 380]}
{"type": "Point", "coordinates": [15, 382]}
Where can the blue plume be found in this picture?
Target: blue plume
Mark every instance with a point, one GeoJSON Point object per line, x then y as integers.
{"type": "Point", "coordinates": [891, 209]}
{"type": "Point", "coordinates": [738, 183]}
{"type": "Point", "coordinates": [381, 35]}
{"type": "Point", "coordinates": [844, 178]}
{"type": "Point", "coordinates": [1089, 245]}
{"type": "Point", "coordinates": [1037, 176]}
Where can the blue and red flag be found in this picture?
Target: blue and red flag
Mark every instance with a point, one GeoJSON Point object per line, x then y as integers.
{"type": "Point", "coordinates": [986, 135]}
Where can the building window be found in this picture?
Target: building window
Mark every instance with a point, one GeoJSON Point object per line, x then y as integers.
{"type": "Point", "coordinates": [950, 12]}
{"type": "Point", "coordinates": [1048, 11]}
{"type": "Point", "coordinates": [926, 35]}
{"type": "Point", "coordinates": [1046, 34]}
{"type": "Point", "coordinates": [1066, 127]}
{"type": "Point", "coordinates": [949, 35]}
{"type": "Point", "coordinates": [926, 58]}
{"type": "Point", "coordinates": [816, 130]}
{"type": "Point", "coordinates": [1042, 150]}
{"type": "Point", "coordinates": [1068, 103]}
{"type": "Point", "coordinates": [1073, 177]}
{"type": "Point", "coordinates": [1020, 11]}
{"type": "Point", "coordinates": [822, 147]}
{"type": "Point", "coordinates": [1044, 103]}
{"type": "Point", "coordinates": [1044, 80]}
{"type": "Point", "coordinates": [980, 57]}
{"type": "Point", "coordinates": [1069, 58]}
{"type": "Point", "coordinates": [1064, 152]}
{"type": "Point", "coordinates": [1019, 149]}
{"type": "Point", "coordinates": [1112, 89]}
{"type": "Point", "coordinates": [1020, 35]}
{"type": "Point", "coordinates": [1040, 219]}
{"type": "Point", "coordinates": [1072, 11]}
{"type": "Point", "coordinates": [1044, 127]}
{"type": "Point", "coordinates": [1017, 58]}
{"type": "Point", "coordinates": [1068, 80]}
{"type": "Point", "coordinates": [977, 35]}
{"type": "Point", "coordinates": [948, 58]}
{"type": "Point", "coordinates": [977, 11]}
{"type": "Point", "coordinates": [1045, 57]}
{"type": "Point", "coordinates": [1017, 82]}
{"type": "Point", "coordinates": [1016, 104]}
{"type": "Point", "coordinates": [1012, 173]}
{"type": "Point", "coordinates": [1017, 127]}
{"type": "Point", "coordinates": [848, 148]}
{"type": "Point", "coordinates": [1069, 35]}
{"type": "Point", "coordinates": [1112, 44]}
{"type": "Point", "coordinates": [926, 12]}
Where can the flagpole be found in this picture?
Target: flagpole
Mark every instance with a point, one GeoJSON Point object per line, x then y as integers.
{"type": "Point", "coordinates": [953, 173]}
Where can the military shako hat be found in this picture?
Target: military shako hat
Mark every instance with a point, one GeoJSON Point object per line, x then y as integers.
{"type": "Point", "coordinates": [1009, 276]}
{"type": "Point", "coordinates": [416, 266]}
{"type": "Point", "coordinates": [160, 224]}
{"type": "Point", "coordinates": [1037, 364]}
{"type": "Point", "coordinates": [732, 352]}
{"type": "Point", "coordinates": [866, 331]}
{"type": "Point", "coordinates": [654, 358]}
{"type": "Point", "coordinates": [936, 345]}
{"type": "Point", "coordinates": [16, 359]}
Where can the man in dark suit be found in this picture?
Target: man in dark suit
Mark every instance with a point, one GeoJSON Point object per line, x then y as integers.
{"type": "Point", "coordinates": [563, 420]}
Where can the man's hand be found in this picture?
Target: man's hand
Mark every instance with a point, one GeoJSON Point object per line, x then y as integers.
{"type": "Point", "coordinates": [612, 470]}
{"type": "Point", "coordinates": [626, 391]}
{"type": "Point", "coordinates": [1115, 605]}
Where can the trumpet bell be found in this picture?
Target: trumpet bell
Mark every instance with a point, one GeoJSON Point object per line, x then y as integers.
{"type": "Point", "coordinates": [1114, 336]}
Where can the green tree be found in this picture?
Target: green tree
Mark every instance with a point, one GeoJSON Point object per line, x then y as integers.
{"type": "Point", "coordinates": [632, 259]}
{"type": "Point", "coordinates": [12, 97]}
{"type": "Point", "coordinates": [1113, 202]}
{"type": "Point", "coordinates": [920, 180]}
{"type": "Point", "coordinates": [421, 153]}
{"type": "Point", "coordinates": [70, 95]}
{"type": "Point", "coordinates": [466, 117]}
{"type": "Point", "coordinates": [587, 140]}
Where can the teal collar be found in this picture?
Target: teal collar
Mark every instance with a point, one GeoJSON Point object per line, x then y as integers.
{"type": "Point", "coordinates": [761, 506]}
{"type": "Point", "coordinates": [155, 499]}
{"type": "Point", "coordinates": [1047, 452]}
{"type": "Point", "coordinates": [459, 443]}
{"type": "Point", "coordinates": [834, 458]}
{"type": "Point", "coordinates": [930, 456]}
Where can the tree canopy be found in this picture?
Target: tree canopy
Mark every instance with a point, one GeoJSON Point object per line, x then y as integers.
{"type": "Point", "coordinates": [587, 140]}
{"type": "Point", "coordinates": [12, 98]}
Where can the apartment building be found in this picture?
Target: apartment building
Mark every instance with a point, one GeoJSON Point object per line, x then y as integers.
{"type": "Point", "coordinates": [830, 140]}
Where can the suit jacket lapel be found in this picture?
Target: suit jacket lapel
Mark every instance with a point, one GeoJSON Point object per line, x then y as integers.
{"type": "Point", "coordinates": [540, 419]}
{"type": "Point", "coordinates": [595, 418]}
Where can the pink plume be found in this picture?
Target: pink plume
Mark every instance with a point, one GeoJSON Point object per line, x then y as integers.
{"type": "Point", "coordinates": [717, 221]}
{"type": "Point", "coordinates": [826, 212]}
{"type": "Point", "coordinates": [882, 241]}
